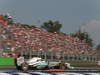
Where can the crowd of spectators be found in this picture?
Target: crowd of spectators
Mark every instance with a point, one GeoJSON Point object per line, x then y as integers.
{"type": "Point", "coordinates": [16, 38]}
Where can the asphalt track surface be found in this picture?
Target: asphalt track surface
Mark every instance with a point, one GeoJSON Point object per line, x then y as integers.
{"type": "Point", "coordinates": [14, 71]}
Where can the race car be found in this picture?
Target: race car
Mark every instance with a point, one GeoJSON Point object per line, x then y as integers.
{"type": "Point", "coordinates": [38, 63]}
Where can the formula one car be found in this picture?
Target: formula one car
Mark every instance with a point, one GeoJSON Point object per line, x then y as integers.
{"type": "Point", "coordinates": [38, 63]}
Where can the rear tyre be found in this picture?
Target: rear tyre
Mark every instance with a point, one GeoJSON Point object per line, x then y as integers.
{"type": "Point", "coordinates": [24, 66]}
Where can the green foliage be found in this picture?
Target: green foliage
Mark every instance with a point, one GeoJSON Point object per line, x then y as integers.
{"type": "Point", "coordinates": [83, 36]}
{"type": "Point", "coordinates": [51, 26]}
{"type": "Point", "coordinates": [98, 47]}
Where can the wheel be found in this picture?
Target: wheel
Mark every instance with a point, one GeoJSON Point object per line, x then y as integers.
{"type": "Point", "coordinates": [24, 66]}
{"type": "Point", "coordinates": [62, 65]}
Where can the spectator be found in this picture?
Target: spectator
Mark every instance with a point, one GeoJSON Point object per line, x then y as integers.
{"type": "Point", "coordinates": [33, 39]}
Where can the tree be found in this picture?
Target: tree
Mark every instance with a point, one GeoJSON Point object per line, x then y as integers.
{"type": "Point", "coordinates": [83, 36]}
{"type": "Point", "coordinates": [51, 26]}
{"type": "Point", "coordinates": [9, 18]}
{"type": "Point", "coordinates": [25, 25]}
{"type": "Point", "coordinates": [98, 47]}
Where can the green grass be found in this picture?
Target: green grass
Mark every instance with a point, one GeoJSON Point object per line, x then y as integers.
{"type": "Point", "coordinates": [85, 65]}
{"type": "Point", "coordinates": [6, 61]}
{"type": "Point", "coordinates": [86, 68]}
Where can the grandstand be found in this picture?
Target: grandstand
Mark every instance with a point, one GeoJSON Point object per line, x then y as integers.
{"type": "Point", "coordinates": [16, 38]}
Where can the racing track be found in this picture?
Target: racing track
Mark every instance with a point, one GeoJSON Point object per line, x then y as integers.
{"type": "Point", "coordinates": [14, 71]}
